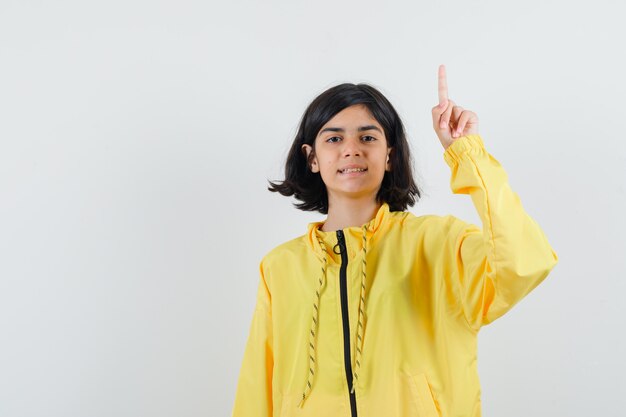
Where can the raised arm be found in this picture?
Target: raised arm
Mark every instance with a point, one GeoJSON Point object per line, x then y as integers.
{"type": "Point", "coordinates": [490, 268]}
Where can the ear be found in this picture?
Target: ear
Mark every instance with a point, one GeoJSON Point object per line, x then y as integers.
{"type": "Point", "coordinates": [307, 149]}
{"type": "Point", "coordinates": [388, 164]}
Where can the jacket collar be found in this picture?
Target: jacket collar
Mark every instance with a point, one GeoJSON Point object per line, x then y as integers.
{"type": "Point", "coordinates": [315, 235]}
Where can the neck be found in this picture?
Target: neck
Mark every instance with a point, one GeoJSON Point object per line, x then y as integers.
{"type": "Point", "coordinates": [344, 213]}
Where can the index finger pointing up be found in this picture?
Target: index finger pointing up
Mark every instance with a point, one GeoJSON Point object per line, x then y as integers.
{"type": "Point", "coordinates": [443, 84]}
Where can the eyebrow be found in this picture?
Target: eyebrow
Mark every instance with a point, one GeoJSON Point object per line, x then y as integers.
{"type": "Point", "coordinates": [340, 129]}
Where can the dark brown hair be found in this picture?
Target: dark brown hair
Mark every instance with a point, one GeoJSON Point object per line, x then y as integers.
{"type": "Point", "coordinates": [398, 189]}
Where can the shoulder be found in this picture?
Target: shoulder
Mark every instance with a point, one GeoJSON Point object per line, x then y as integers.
{"type": "Point", "coordinates": [295, 247]}
{"type": "Point", "coordinates": [428, 226]}
{"type": "Point", "coordinates": [407, 219]}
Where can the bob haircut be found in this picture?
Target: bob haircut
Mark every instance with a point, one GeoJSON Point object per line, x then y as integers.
{"type": "Point", "coordinates": [398, 189]}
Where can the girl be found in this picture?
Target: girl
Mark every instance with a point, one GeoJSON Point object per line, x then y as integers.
{"type": "Point", "coordinates": [375, 312]}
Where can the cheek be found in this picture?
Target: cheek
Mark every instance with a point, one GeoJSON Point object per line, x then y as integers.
{"type": "Point", "coordinates": [327, 166]}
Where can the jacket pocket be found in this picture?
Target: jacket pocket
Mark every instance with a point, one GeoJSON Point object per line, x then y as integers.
{"type": "Point", "coordinates": [424, 397]}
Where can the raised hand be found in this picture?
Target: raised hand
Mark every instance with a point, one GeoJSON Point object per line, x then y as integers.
{"type": "Point", "coordinates": [449, 120]}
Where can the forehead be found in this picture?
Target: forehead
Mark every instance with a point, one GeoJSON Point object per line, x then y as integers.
{"type": "Point", "coordinates": [353, 114]}
{"type": "Point", "coordinates": [353, 118]}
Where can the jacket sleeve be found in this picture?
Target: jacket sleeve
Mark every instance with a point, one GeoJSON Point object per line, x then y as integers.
{"type": "Point", "coordinates": [253, 397]}
{"type": "Point", "coordinates": [493, 267]}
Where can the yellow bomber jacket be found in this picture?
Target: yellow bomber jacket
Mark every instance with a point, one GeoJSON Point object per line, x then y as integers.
{"type": "Point", "coordinates": [382, 320]}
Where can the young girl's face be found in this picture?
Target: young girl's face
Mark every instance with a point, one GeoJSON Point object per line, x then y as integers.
{"type": "Point", "coordinates": [351, 139]}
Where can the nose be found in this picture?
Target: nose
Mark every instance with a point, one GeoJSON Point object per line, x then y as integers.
{"type": "Point", "coordinates": [352, 146]}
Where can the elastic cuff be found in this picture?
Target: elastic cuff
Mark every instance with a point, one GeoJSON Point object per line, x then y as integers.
{"type": "Point", "coordinates": [453, 153]}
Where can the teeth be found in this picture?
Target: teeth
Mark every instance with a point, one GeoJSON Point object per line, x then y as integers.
{"type": "Point", "coordinates": [347, 170]}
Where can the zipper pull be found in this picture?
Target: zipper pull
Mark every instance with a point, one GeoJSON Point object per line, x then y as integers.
{"type": "Point", "coordinates": [340, 242]}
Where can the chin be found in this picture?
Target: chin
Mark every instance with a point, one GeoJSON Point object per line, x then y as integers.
{"type": "Point", "coordinates": [355, 191]}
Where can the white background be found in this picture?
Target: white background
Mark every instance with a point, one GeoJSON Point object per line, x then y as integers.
{"type": "Point", "coordinates": [137, 138]}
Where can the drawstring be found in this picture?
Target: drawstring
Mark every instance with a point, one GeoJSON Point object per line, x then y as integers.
{"type": "Point", "coordinates": [359, 327]}
{"type": "Point", "coordinates": [315, 324]}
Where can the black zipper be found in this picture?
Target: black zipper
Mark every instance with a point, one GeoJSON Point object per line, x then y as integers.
{"type": "Point", "coordinates": [343, 285]}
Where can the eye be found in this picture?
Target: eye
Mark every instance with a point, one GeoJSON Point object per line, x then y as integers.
{"type": "Point", "coordinates": [365, 138]}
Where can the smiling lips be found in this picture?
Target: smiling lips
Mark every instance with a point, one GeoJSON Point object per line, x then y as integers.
{"type": "Point", "coordinates": [352, 169]}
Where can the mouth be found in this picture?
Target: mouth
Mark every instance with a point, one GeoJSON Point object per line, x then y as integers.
{"type": "Point", "coordinates": [352, 171]}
